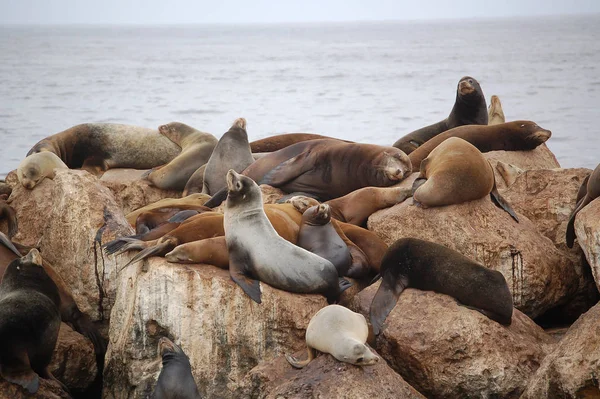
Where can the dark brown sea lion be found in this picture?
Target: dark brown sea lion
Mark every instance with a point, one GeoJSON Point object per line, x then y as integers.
{"type": "Point", "coordinates": [511, 136]}
{"type": "Point", "coordinates": [456, 172]}
{"type": "Point", "coordinates": [97, 147]}
{"type": "Point", "coordinates": [414, 263]}
{"type": "Point", "coordinates": [29, 322]}
{"type": "Point", "coordinates": [275, 143]}
{"type": "Point", "coordinates": [149, 220]}
{"type": "Point", "coordinates": [175, 379]}
{"type": "Point", "coordinates": [195, 183]}
{"type": "Point", "coordinates": [7, 212]}
{"type": "Point", "coordinates": [592, 191]}
{"type": "Point", "coordinates": [469, 109]}
{"type": "Point", "coordinates": [495, 112]}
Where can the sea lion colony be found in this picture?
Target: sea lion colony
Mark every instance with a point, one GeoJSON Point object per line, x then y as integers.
{"type": "Point", "coordinates": [301, 246]}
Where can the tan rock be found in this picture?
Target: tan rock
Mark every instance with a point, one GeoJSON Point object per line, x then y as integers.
{"type": "Point", "coordinates": [537, 273]}
{"type": "Point", "coordinates": [324, 377]}
{"type": "Point", "coordinates": [131, 192]}
{"type": "Point", "coordinates": [49, 389]}
{"type": "Point", "coordinates": [271, 194]}
{"type": "Point", "coordinates": [74, 360]}
{"type": "Point", "coordinates": [224, 333]}
{"type": "Point", "coordinates": [445, 350]}
{"type": "Point", "coordinates": [572, 370]}
{"type": "Point", "coordinates": [587, 230]}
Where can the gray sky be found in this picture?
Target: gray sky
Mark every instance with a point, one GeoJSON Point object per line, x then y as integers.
{"type": "Point", "coordinates": [261, 11]}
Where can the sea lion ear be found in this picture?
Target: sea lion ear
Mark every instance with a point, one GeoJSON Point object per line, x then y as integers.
{"type": "Point", "coordinates": [33, 257]}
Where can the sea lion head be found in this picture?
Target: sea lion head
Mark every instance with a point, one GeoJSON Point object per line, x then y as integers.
{"type": "Point", "coordinates": [30, 171]}
{"type": "Point", "coordinates": [176, 131]}
{"type": "Point", "coordinates": [468, 87]}
{"type": "Point", "coordinates": [178, 255]}
{"type": "Point", "coordinates": [239, 123]}
{"type": "Point", "coordinates": [302, 203]}
{"type": "Point", "coordinates": [533, 135]}
{"type": "Point", "coordinates": [166, 346]}
{"type": "Point", "coordinates": [242, 190]}
{"type": "Point", "coordinates": [28, 272]}
{"type": "Point", "coordinates": [360, 355]}
{"type": "Point", "coordinates": [317, 215]}
{"type": "Point", "coordinates": [393, 167]}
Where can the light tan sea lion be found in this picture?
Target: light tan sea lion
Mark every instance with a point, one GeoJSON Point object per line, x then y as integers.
{"type": "Point", "coordinates": [193, 200]}
{"type": "Point", "coordinates": [35, 167]}
{"type": "Point", "coordinates": [495, 112]}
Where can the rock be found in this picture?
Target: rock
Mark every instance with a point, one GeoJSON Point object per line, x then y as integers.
{"type": "Point", "coordinates": [224, 333]}
{"type": "Point", "coordinates": [539, 158]}
{"type": "Point", "coordinates": [445, 350]}
{"type": "Point", "coordinates": [130, 192]}
{"type": "Point", "coordinates": [68, 218]}
{"type": "Point", "coordinates": [49, 389]}
{"type": "Point", "coordinates": [324, 377]}
{"type": "Point", "coordinates": [74, 360]}
{"type": "Point", "coordinates": [271, 194]}
{"type": "Point", "coordinates": [587, 230]}
{"type": "Point", "coordinates": [537, 273]}
{"type": "Point", "coordinates": [572, 370]}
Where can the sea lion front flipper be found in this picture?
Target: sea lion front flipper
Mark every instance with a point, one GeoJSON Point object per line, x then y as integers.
{"type": "Point", "coordinates": [4, 240]}
{"type": "Point", "coordinates": [182, 216]}
{"type": "Point", "coordinates": [217, 198]}
{"type": "Point", "coordinates": [570, 233]}
{"type": "Point", "coordinates": [240, 264]}
{"type": "Point", "coordinates": [298, 364]}
{"type": "Point", "coordinates": [385, 300]}
{"type": "Point", "coordinates": [288, 170]}
{"type": "Point", "coordinates": [501, 202]}
{"type": "Point", "coordinates": [17, 370]}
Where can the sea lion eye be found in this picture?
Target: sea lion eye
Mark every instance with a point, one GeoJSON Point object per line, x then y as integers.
{"type": "Point", "coordinates": [471, 81]}
{"type": "Point", "coordinates": [360, 360]}
{"type": "Point", "coordinates": [523, 125]}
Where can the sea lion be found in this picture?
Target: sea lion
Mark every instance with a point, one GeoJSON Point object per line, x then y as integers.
{"type": "Point", "coordinates": [318, 236]}
{"type": "Point", "coordinates": [195, 183]}
{"type": "Point", "coordinates": [175, 379]}
{"type": "Point", "coordinates": [211, 251]}
{"type": "Point", "coordinates": [469, 109]}
{"type": "Point", "coordinates": [256, 251]}
{"type": "Point", "coordinates": [414, 263]}
{"type": "Point", "coordinates": [7, 212]}
{"type": "Point", "coordinates": [196, 147]}
{"type": "Point", "coordinates": [97, 147]}
{"type": "Point", "coordinates": [341, 333]}
{"type": "Point", "coordinates": [495, 112]}
{"type": "Point", "coordinates": [277, 142]}
{"type": "Point", "coordinates": [327, 168]}
{"type": "Point", "coordinates": [592, 185]}
{"type": "Point", "coordinates": [149, 220]}
{"type": "Point", "coordinates": [35, 167]}
{"type": "Point", "coordinates": [456, 172]}
{"type": "Point", "coordinates": [189, 202]}
{"type": "Point", "coordinates": [29, 322]}
{"type": "Point", "coordinates": [511, 136]}
{"type": "Point", "coordinates": [232, 152]}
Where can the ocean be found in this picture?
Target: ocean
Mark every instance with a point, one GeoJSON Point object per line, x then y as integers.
{"type": "Point", "coordinates": [370, 82]}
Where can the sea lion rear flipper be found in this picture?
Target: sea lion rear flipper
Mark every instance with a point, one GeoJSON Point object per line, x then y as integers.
{"type": "Point", "coordinates": [182, 216]}
{"type": "Point", "coordinates": [239, 265]}
{"type": "Point", "coordinates": [84, 325]}
{"type": "Point", "coordinates": [17, 370]}
{"type": "Point", "coordinates": [419, 181]}
{"type": "Point", "coordinates": [114, 246]}
{"type": "Point", "coordinates": [288, 170]}
{"type": "Point", "coordinates": [217, 199]}
{"type": "Point", "coordinates": [158, 249]}
{"type": "Point", "coordinates": [4, 240]}
{"type": "Point", "coordinates": [501, 202]}
{"type": "Point", "coordinates": [385, 300]}
{"type": "Point", "coordinates": [298, 364]}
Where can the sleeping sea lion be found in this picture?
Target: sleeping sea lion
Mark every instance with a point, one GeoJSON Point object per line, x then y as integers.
{"type": "Point", "coordinates": [189, 202]}
{"type": "Point", "coordinates": [35, 167]}
{"type": "Point", "coordinates": [277, 142]}
{"type": "Point", "coordinates": [592, 191]}
{"type": "Point", "coordinates": [495, 112]}
{"type": "Point", "coordinates": [175, 379]}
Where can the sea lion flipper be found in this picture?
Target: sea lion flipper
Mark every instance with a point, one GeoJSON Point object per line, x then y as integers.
{"type": "Point", "coordinates": [4, 240]}
{"type": "Point", "coordinates": [217, 198]}
{"type": "Point", "coordinates": [491, 315]}
{"type": "Point", "coordinates": [288, 170]}
{"type": "Point", "coordinates": [502, 203]}
{"type": "Point", "coordinates": [17, 370]}
{"type": "Point", "coordinates": [182, 216]}
{"type": "Point", "coordinates": [570, 233]}
{"type": "Point", "coordinates": [385, 300]}
{"type": "Point", "coordinates": [298, 364]}
{"type": "Point", "coordinates": [417, 183]}
{"type": "Point", "coordinates": [239, 263]}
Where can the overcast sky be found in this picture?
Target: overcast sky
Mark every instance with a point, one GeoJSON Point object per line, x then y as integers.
{"type": "Point", "coordinates": [272, 11]}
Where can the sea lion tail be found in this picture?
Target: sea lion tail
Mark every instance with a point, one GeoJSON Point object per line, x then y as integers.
{"type": "Point", "coordinates": [182, 216]}
{"type": "Point", "coordinates": [217, 199]}
{"type": "Point", "coordinates": [502, 203]}
{"type": "Point", "coordinates": [298, 364]}
{"type": "Point", "coordinates": [114, 246]}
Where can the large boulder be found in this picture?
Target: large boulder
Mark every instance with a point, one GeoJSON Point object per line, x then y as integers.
{"type": "Point", "coordinates": [131, 192]}
{"type": "Point", "coordinates": [587, 230]}
{"type": "Point", "coordinates": [324, 377]}
{"type": "Point", "coordinates": [445, 350]}
{"type": "Point", "coordinates": [49, 389]}
{"type": "Point", "coordinates": [538, 275]}
{"type": "Point", "coordinates": [69, 218]}
{"type": "Point", "coordinates": [572, 370]}
{"type": "Point", "coordinates": [74, 360]}
{"type": "Point", "coordinates": [224, 333]}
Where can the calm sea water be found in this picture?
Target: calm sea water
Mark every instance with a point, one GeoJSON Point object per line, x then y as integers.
{"type": "Point", "coordinates": [368, 82]}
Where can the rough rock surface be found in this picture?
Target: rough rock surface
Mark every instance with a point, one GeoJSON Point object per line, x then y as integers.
{"type": "Point", "coordinates": [271, 194]}
{"type": "Point", "coordinates": [572, 370]}
{"type": "Point", "coordinates": [73, 361]}
{"type": "Point", "coordinates": [445, 350]}
{"type": "Point", "coordinates": [224, 333]}
{"type": "Point", "coordinates": [587, 230]}
{"type": "Point", "coordinates": [324, 377]}
{"type": "Point", "coordinates": [49, 389]}
{"type": "Point", "coordinates": [132, 193]}
{"type": "Point", "coordinates": [68, 218]}
{"type": "Point", "coordinates": [537, 273]}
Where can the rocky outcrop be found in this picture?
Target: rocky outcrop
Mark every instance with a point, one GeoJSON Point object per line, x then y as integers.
{"type": "Point", "coordinates": [587, 230]}
{"type": "Point", "coordinates": [49, 389]}
{"type": "Point", "coordinates": [324, 377]}
{"type": "Point", "coordinates": [224, 333]}
{"type": "Point", "coordinates": [271, 194]}
{"type": "Point", "coordinates": [445, 350]}
{"type": "Point", "coordinates": [69, 218]}
{"type": "Point", "coordinates": [73, 361]}
{"type": "Point", "coordinates": [537, 273]}
{"type": "Point", "coordinates": [131, 192]}
{"type": "Point", "coordinates": [572, 370]}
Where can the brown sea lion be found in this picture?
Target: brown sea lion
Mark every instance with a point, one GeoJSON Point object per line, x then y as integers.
{"type": "Point", "coordinates": [414, 263]}
{"type": "Point", "coordinates": [211, 251]}
{"type": "Point", "coordinates": [495, 112]}
{"type": "Point", "coordinates": [7, 212]}
{"type": "Point", "coordinates": [277, 142]}
{"type": "Point", "coordinates": [511, 136]}
{"type": "Point", "coordinates": [469, 109]}
{"type": "Point", "coordinates": [592, 191]}
{"type": "Point", "coordinates": [196, 147]}
{"type": "Point", "coordinates": [232, 152]}
{"type": "Point", "coordinates": [188, 202]}
{"type": "Point", "coordinates": [195, 183]}
{"type": "Point", "coordinates": [456, 172]}
{"type": "Point", "coordinates": [149, 220]}
{"type": "Point", "coordinates": [97, 147]}
{"type": "Point", "coordinates": [35, 167]}
{"type": "Point", "coordinates": [175, 379]}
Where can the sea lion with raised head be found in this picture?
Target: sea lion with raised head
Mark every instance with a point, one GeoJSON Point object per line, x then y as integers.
{"type": "Point", "coordinates": [415, 263]}
{"type": "Point", "coordinates": [495, 112]}
{"type": "Point", "coordinates": [175, 379]}
{"type": "Point", "coordinates": [35, 167]}
{"type": "Point", "coordinates": [592, 191]}
{"type": "Point", "coordinates": [196, 147]}
{"type": "Point", "coordinates": [340, 332]}
{"type": "Point", "coordinates": [469, 109]}
{"type": "Point", "coordinates": [277, 142]}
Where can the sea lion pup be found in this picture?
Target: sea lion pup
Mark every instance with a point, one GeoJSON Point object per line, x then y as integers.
{"type": "Point", "coordinates": [232, 152]}
{"type": "Point", "coordinates": [97, 147]}
{"type": "Point", "coordinates": [339, 332]}
{"type": "Point", "coordinates": [592, 186]}
{"type": "Point", "coordinates": [469, 109]}
{"type": "Point", "coordinates": [35, 167]}
{"type": "Point", "coordinates": [511, 136]}
{"type": "Point", "coordinates": [327, 168]}
{"type": "Point", "coordinates": [277, 142]}
{"type": "Point", "coordinates": [196, 147]}
{"type": "Point", "coordinates": [29, 322]}
{"type": "Point", "coordinates": [456, 172]}
{"type": "Point", "coordinates": [7, 212]}
{"type": "Point", "coordinates": [195, 183]}
{"type": "Point", "coordinates": [495, 112]}
{"type": "Point", "coordinates": [414, 263]}
{"type": "Point", "coordinates": [252, 242]}
{"type": "Point", "coordinates": [318, 236]}
{"type": "Point", "coordinates": [175, 379]}
{"type": "Point", "coordinates": [189, 202]}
